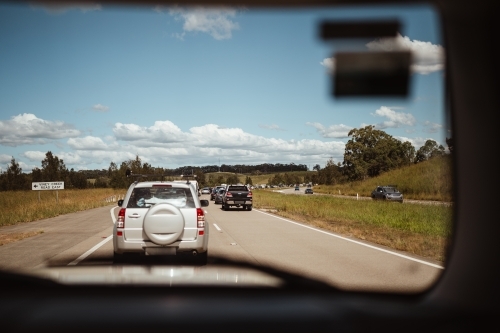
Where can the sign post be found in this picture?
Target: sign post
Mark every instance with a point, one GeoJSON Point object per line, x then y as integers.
{"type": "Point", "coordinates": [47, 186]}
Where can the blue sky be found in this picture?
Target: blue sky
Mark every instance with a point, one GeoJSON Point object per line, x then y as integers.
{"type": "Point", "coordinates": [195, 86]}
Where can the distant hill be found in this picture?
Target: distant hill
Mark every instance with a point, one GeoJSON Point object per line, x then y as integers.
{"type": "Point", "coordinates": [428, 180]}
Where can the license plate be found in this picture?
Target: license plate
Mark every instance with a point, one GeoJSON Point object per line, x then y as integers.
{"type": "Point", "coordinates": [161, 251]}
{"type": "Point", "coordinates": [239, 202]}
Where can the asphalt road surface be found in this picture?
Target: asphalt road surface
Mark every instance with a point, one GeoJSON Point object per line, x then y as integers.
{"type": "Point", "coordinates": [84, 238]}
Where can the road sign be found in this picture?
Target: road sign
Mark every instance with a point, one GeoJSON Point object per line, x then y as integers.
{"type": "Point", "coordinates": [47, 186]}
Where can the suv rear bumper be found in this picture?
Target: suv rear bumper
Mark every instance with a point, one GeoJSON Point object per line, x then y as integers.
{"type": "Point", "coordinates": [200, 245]}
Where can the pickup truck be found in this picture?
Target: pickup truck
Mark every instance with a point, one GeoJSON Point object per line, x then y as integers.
{"type": "Point", "coordinates": [237, 195]}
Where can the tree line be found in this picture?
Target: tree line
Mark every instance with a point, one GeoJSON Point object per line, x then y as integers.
{"type": "Point", "coordinates": [368, 153]}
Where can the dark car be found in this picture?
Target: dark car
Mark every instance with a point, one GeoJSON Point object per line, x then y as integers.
{"type": "Point", "coordinates": [238, 196]}
{"type": "Point", "coordinates": [219, 195]}
{"type": "Point", "coordinates": [308, 191]}
{"type": "Point", "coordinates": [389, 192]}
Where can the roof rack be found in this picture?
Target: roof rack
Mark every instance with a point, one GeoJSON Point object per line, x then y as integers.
{"type": "Point", "coordinates": [188, 176]}
{"type": "Point", "coordinates": [129, 173]}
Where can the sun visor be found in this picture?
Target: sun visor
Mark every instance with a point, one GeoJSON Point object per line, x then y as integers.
{"type": "Point", "coordinates": [371, 74]}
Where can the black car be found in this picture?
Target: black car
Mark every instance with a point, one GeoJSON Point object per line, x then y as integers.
{"type": "Point", "coordinates": [308, 191]}
{"type": "Point", "coordinates": [388, 192]}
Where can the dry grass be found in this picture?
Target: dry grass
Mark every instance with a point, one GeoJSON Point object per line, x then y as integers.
{"type": "Point", "coordinates": [429, 180]}
{"type": "Point", "coordinates": [23, 206]}
{"type": "Point", "coordinates": [14, 237]}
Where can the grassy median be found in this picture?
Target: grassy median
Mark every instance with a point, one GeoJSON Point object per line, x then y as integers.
{"type": "Point", "coordinates": [424, 230]}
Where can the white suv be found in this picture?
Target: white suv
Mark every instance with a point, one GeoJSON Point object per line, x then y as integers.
{"type": "Point", "coordinates": [161, 218]}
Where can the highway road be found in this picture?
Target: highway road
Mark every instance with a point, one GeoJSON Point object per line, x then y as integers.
{"type": "Point", "coordinates": [84, 238]}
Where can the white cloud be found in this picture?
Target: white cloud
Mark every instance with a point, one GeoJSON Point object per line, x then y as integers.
{"type": "Point", "coordinates": [334, 131]}
{"type": "Point", "coordinates": [165, 144]}
{"type": "Point", "coordinates": [395, 119]}
{"type": "Point", "coordinates": [37, 156]}
{"type": "Point", "coordinates": [5, 159]}
{"type": "Point", "coordinates": [100, 108]}
{"type": "Point", "coordinates": [427, 57]}
{"type": "Point", "coordinates": [27, 129]}
{"type": "Point", "coordinates": [416, 142]}
{"type": "Point", "coordinates": [87, 143]}
{"type": "Point", "coordinates": [329, 63]}
{"type": "Point", "coordinates": [217, 22]}
{"type": "Point", "coordinates": [160, 133]}
{"type": "Point", "coordinates": [56, 9]}
{"type": "Point", "coordinates": [272, 127]}
{"type": "Point", "coordinates": [430, 127]}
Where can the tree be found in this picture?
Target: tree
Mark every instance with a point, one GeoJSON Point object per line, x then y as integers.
{"type": "Point", "coordinates": [317, 167]}
{"type": "Point", "coordinates": [248, 180]}
{"type": "Point", "coordinates": [232, 179]}
{"type": "Point", "coordinates": [370, 152]}
{"type": "Point", "coordinates": [330, 174]}
{"type": "Point", "coordinates": [200, 177]}
{"type": "Point", "coordinates": [53, 168]}
{"type": "Point", "coordinates": [14, 178]}
{"type": "Point", "coordinates": [450, 144]}
{"type": "Point", "coordinates": [77, 179]}
{"type": "Point", "coordinates": [429, 150]}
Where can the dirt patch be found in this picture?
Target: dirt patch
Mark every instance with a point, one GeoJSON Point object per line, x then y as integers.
{"type": "Point", "coordinates": [17, 236]}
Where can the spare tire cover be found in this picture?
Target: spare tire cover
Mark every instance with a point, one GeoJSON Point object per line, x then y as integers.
{"type": "Point", "coordinates": [163, 224]}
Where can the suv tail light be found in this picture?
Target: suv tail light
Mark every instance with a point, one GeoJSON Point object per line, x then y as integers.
{"type": "Point", "coordinates": [249, 194]}
{"type": "Point", "coordinates": [120, 223]}
{"type": "Point", "coordinates": [229, 194]}
{"type": "Point", "coordinates": [200, 215]}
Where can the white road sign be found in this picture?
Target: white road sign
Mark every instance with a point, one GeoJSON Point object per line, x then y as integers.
{"type": "Point", "coordinates": [47, 186]}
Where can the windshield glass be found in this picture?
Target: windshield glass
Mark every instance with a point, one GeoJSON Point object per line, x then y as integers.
{"type": "Point", "coordinates": [95, 98]}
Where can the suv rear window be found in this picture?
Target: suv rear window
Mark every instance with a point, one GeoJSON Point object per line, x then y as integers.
{"type": "Point", "coordinates": [145, 197]}
{"type": "Point", "coordinates": [237, 188]}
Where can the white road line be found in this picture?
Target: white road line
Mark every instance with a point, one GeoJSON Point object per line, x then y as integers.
{"type": "Point", "coordinates": [353, 241]}
{"type": "Point", "coordinates": [217, 227]}
{"type": "Point", "coordinates": [89, 252]}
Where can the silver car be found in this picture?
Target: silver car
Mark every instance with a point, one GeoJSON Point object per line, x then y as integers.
{"type": "Point", "coordinates": [161, 218]}
{"type": "Point", "coordinates": [389, 192]}
{"type": "Point", "coordinates": [219, 195]}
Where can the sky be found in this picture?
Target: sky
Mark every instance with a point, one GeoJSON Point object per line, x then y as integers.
{"type": "Point", "coordinates": [200, 86]}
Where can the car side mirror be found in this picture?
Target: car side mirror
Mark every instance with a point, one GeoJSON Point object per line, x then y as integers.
{"type": "Point", "coordinates": [120, 203]}
{"type": "Point", "coordinates": [204, 203]}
